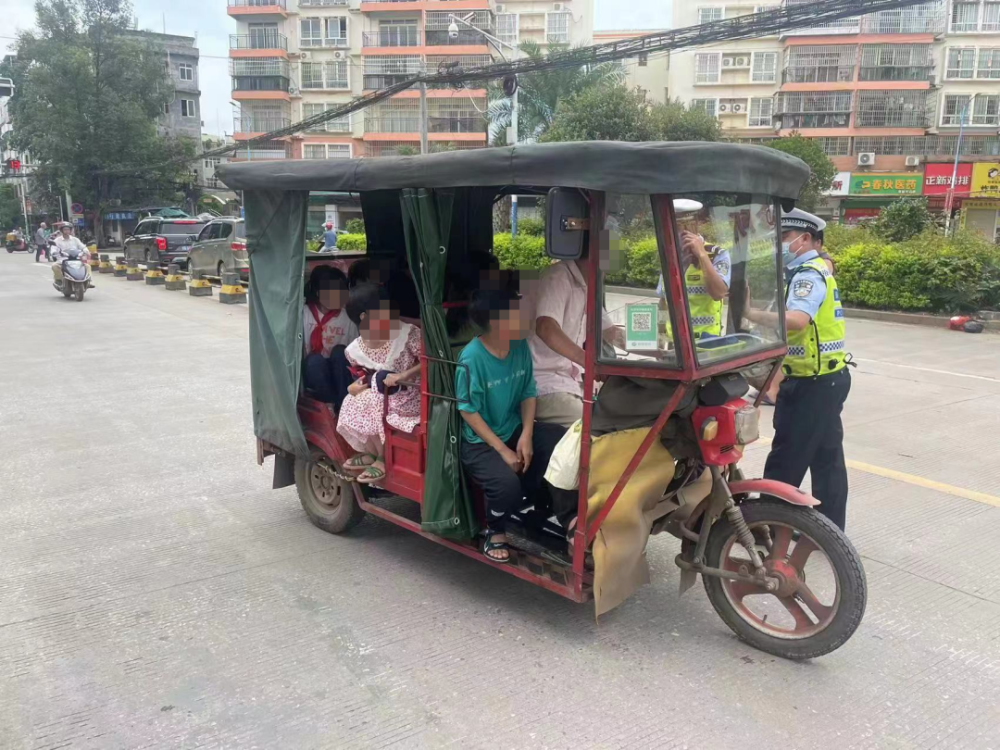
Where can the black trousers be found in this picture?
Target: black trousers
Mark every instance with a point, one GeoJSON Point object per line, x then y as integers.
{"type": "Point", "coordinates": [503, 490]}
{"type": "Point", "coordinates": [809, 434]}
{"type": "Point", "coordinates": [327, 377]}
{"type": "Point", "coordinates": [41, 250]}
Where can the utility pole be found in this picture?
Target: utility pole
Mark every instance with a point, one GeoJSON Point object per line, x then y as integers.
{"type": "Point", "coordinates": [949, 201]}
{"type": "Point", "coordinates": [423, 118]}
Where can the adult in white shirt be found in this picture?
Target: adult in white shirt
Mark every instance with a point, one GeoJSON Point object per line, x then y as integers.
{"type": "Point", "coordinates": [64, 243]}
{"type": "Point", "coordinates": [560, 332]}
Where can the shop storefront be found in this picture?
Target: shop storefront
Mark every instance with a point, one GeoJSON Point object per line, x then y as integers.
{"type": "Point", "coordinates": [981, 212]}
{"type": "Point", "coordinates": [871, 192]}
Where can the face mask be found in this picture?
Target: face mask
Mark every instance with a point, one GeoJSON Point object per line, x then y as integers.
{"type": "Point", "coordinates": [787, 256]}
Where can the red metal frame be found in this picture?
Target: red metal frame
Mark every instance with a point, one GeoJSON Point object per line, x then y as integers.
{"type": "Point", "coordinates": [780, 490]}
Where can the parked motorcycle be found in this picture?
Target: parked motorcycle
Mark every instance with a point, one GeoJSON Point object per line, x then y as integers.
{"type": "Point", "coordinates": [75, 277]}
{"type": "Point", "coordinates": [16, 244]}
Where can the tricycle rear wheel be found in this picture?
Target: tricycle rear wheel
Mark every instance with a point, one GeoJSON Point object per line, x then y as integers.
{"type": "Point", "coordinates": [327, 499]}
{"type": "Point", "coordinates": [807, 622]}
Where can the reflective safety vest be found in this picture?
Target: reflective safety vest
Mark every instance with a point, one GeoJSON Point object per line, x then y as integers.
{"type": "Point", "coordinates": [818, 349]}
{"type": "Point", "coordinates": [706, 313]}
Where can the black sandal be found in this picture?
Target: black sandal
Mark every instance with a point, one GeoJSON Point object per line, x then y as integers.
{"type": "Point", "coordinates": [490, 546]}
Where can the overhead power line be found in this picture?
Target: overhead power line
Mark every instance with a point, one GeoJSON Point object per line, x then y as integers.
{"type": "Point", "coordinates": [765, 23]}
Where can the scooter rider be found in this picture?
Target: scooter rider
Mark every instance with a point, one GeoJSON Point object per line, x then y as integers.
{"type": "Point", "coordinates": [62, 246]}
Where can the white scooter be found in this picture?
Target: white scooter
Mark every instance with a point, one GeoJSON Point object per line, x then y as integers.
{"type": "Point", "coordinates": [75, 277]}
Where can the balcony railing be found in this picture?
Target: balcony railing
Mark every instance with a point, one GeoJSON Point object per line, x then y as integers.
{"type": "Point", "coordinates": [818, 74]}
{"type": "Point", "coordinates": [398, 37]}
{"type": "Point", "coordinates": [259, 124]}
{"type": "Point", "coordinates": [466, 37]}
{"type": "Point", "coordinates": [381, 81]}
{"type": "Point", "coordinates": [323, 3]}
{"type": "Point", "coordinates": [260, 83]}
{"type": "Point", "coordinates": [896, 73]}
{"type": "Point", "coordinates": [456, 125]}
{"type": "Point", "coordinates": [257, 4]}
{"type": "Point", "coordinates": [892, 109]}
{"type": "Point", "coordinates": [265, 40]}
{"type": "Point", "coordinates": [410, 123]}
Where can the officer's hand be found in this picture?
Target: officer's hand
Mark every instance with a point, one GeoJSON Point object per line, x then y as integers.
{"type": "Point", "coordinates": [694, 244]}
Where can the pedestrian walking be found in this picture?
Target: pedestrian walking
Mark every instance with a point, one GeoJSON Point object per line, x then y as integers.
{"type": "Point", "coordinates": [42, 242]}
{"type": "Point", "coordinates": [808, 430]}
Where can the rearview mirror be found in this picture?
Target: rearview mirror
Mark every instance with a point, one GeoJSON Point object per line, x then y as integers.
{"type": "Point", "coordinates": [566, 224]}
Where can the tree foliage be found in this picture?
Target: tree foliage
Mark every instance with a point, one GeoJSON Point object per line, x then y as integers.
{"type": "Point", "coordinates": [903, 219]}
{"type": "Point", "coordinates": [10, 208]}
{"type": "Point", "coordinates": [539, 94]}
{"type": "Point", "coordinates": [617, 113]}
{"type": "Point", "coordinates": [87, 104]}
{"type": "Point", "coordinates": [822, 169]}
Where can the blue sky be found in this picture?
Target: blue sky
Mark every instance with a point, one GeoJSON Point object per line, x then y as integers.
{"type": "Point", "coordinates": [207, 19]}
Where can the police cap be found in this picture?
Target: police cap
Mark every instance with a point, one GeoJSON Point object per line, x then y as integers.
{"type": "Point", "coordinates": [799, 219]}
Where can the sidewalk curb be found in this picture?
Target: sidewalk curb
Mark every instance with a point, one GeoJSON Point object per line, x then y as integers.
{"type": "Point", "coordinates": [918, 319]}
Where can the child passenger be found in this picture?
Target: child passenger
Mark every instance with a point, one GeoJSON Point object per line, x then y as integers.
{"type": "Point", "coordinates": [504, 450]}
{"type": "Point", "coordinates": [386, 352]}
{"type": "Point", "coordinates": [326, 331]}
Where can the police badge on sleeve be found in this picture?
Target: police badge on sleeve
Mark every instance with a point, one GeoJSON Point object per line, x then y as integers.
{"type": "Point", "coordinates": [802, 288]}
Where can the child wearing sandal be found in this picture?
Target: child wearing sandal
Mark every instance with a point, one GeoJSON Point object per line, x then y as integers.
{"type": "Point", "coordinates": [386, 352]}
{"type": "Point", "coordinates": [504, 450]}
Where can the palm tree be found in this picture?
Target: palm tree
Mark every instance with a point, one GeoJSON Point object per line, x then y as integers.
{"type": "Point", "coordinates": [540, 94]}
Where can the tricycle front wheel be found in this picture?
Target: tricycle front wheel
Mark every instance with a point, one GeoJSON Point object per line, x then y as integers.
{"type": "Point", "coordinates": [327, 499]}
{"type": "Point", "coordinates": [797, 620]}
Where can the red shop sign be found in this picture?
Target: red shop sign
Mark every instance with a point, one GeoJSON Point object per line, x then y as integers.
{"type": "Point", "coordinates": [937, 178]}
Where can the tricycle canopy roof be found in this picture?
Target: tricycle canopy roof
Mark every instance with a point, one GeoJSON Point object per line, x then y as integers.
{"type": "Point", "coordinates": [640, 168]}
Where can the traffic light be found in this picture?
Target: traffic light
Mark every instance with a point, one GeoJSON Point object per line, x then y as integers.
{"type": "Point", "coordinates": [14, 165]}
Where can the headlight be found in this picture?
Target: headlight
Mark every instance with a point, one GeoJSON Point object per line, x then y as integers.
{"type": "Point", "coordinates": [747, 425]}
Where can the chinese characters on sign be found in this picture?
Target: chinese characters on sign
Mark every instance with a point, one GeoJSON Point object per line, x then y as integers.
{"type": "Point", "coordinates": [986, 180]}
{"type": "Point", "coordinates": [840, 185]}
{"type": "Point", "coordinates": [887, 184]}
{"type": "Point", "coordinates": [937, 179]}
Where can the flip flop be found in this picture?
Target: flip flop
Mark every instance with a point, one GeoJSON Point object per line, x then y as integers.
{"type": "Point", "coordinates": [371, 475]}
{"type": "Point", "coordinates": [358, 463]}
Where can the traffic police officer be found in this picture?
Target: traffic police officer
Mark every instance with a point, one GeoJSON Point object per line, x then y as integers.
{"type": "Point", "coordinates": [707, 276]}
{"type": "Point", "coordinates": [808, 431]}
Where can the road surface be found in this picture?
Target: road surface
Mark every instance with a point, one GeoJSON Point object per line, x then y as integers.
{"type": "Point", "coordinates": [155, 593]}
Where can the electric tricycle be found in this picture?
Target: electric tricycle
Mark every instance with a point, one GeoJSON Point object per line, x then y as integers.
{"type": "Point", "coordinates": [665, 424]}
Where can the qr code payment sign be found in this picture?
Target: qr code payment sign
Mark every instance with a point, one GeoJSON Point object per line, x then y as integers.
{"type": "Point", "coordinates": [642, 322]}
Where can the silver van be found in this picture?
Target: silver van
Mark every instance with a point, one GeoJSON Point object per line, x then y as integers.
{"type": "Point", "coordinates": [221, 248]}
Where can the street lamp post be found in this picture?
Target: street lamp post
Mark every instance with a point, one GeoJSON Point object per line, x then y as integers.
{"type": "Point", "coordinates": [513, 134]}
{"type": "Point", "coordinates": [949, 200]}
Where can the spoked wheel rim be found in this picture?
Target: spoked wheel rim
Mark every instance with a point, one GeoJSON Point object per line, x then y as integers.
{"type": "Point", "coordinates": [794, 610]}
{"type": "Point", "coordinates": [326, 488]}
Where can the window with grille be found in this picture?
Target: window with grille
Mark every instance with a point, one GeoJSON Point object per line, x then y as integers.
{"type": "Point", "coordinates": [765, 67]}
{"type": "Point", "coordinates": [964, 16]}
{"type": "Point", "coordinates": [991, 16]}
{"type": "Point", "coordinates": [336, 125]}
{"type": "Point", "coordinates": [707, 15]}
{"type": "Point", "coordinates": [507, 28]}
{"type": "Point", "coordinates": [819, 109]}
{"type": "Point", "coordinates": [326, 75]}
{"type": "Point", "coordinates": [186, 72]}
{"type": "Point", "coordinates": [835, 146]}
{"type": "Point", "coordinates": [707, 66]}
{"type": "Point", "coordinates": [709, 106]}
{"type": "Point", "coordinates": [988, 66]}
{"type": "Point", "coordinates": [961, 63]}
{"type": "Point", "coordinates": [761, 111]}
{"type": "Point", "coordinates": [820, 64]}
{"type": "Point", "coordinates": [311, 32]}
{"type": "Point", "coordinates": [954, 104]}
{"type": "Point", "coordinates": [986, 110]}
{"type": "Point", "coordinates": [187, 108]}
{"type": "Point", "coordinates": [899, 109]}
{"type": "Point", "coordinates": [557, 27]}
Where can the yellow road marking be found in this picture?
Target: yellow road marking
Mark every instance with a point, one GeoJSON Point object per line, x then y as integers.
{"type": "Point", "coordinates": [916, 481]}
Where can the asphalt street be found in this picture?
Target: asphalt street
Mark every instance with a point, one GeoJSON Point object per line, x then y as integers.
{"type": "Point", "coordinates": [156, 593]}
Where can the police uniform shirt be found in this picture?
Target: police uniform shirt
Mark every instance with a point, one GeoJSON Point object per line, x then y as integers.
{"type": "Point", "coordinates": [807, 289]}
{"type": "Point", "coordinates": [723, 265]}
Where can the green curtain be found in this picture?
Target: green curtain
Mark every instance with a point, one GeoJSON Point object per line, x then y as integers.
{"type": "Point", "coordinates": [447, 509]}
{"type": "Point", "coordinates": [275, 223]}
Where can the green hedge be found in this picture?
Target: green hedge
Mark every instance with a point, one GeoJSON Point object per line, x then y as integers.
{"type": "Point", "coordinates": [928, 272]}
{"type": "Point", "coordinates": [352, 243]}
{"type": "Point", "coordinates": [524, 252]}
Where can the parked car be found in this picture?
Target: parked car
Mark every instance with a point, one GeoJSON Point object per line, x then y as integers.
{"type": "Point", "coordinates": [221, 248]}
{"type": "Point", "coordinates": [158, 240]}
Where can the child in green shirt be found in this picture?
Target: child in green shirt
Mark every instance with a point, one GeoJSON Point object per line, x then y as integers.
{"type": "Point", "coordinates": [504, 451]}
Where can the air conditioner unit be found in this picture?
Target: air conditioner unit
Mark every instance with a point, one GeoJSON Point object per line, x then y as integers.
{"type": "Point", "coordinates": [866, 160]}
{"type": "Point", "coordinates": [913, 161]}
{"type": "Point", "coordinates": [737, 108]}
{"type": "Point", "coordinates": [338, 55]}
{"type": "Point", "coordinates": [304, 55]}
{"type": "Point", "coordinates": [742, 62]}
{"type": "Point", "coordinates": [293, 91]}
{"type": "Point", "coordinates": [727, 62]}
{"type": "Point", "coordinates": [559, 7]}
{"type": "Point", "coordinates": [723, 107]}
{"type": "Point", "coordinates": [501, 9]}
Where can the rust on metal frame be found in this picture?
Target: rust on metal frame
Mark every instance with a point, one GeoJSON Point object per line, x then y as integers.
{"type": "Point", "coordinates": [640, 454]}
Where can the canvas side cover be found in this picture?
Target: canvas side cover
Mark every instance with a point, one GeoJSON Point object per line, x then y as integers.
{"type": "Point", "coordinates": [447, 510]}
{"type": "Point", "coordinates": [275, 223]}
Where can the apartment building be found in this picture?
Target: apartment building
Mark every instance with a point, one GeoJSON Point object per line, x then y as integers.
{"type": "Point", "coordinates": [569, 23]}
{"type": "Point", "coordinates": [182, 115]}
{"type": "Point", "coordinates": [649, 73]}
{"type": "Point", "coordinates": [735, 81]}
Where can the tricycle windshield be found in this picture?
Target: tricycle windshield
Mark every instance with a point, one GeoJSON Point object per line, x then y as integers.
{"type": "Point", "coordinates": [724, 251]}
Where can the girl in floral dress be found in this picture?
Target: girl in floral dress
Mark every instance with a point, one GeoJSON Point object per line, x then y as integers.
{"type": "Point", "coordinates": [388, 351]}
